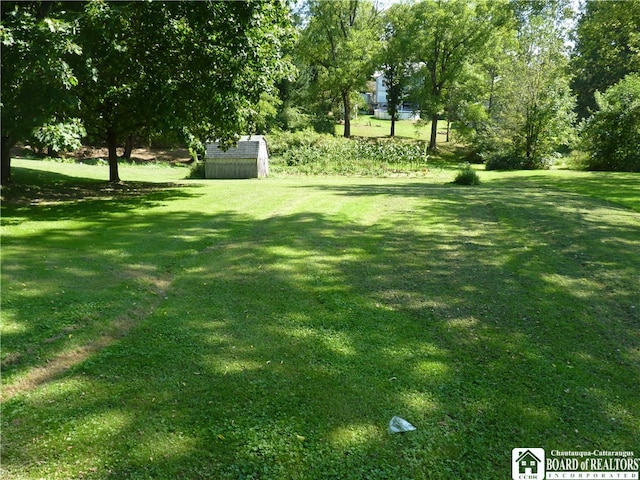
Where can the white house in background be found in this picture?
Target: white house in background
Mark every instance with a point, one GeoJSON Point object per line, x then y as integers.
{"type": "Point", "coordinates": [407, 110]}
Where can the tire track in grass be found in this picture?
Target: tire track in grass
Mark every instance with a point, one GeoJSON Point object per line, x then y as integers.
{"type": "Point", "coordinates": [60, 364]}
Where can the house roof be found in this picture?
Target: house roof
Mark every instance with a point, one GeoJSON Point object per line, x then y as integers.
{"type": "Point", "coordinates": [247, 147]}
{"type": "Point", "coordinates": [527, 453]}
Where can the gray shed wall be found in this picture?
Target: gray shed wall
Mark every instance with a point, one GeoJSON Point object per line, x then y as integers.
{"type": "Point", "coordinates": [249, 159]}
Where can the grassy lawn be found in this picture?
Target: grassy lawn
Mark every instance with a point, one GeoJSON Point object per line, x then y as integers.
{"type": "Point", "coordinates": [369, 126]}
{"type": "Point", "coordinates": [270, 329]}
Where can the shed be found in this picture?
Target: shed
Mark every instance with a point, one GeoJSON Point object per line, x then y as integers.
{"type": "Point", "coordinates": [248, 159]}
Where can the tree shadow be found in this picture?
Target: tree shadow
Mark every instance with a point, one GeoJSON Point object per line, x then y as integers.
{"type": "Point", "coordinates": [279, 347]}
{"type": "Point", "coordinates": [616, 187]}
{"type": "Point", "coordinates": [62, 197]}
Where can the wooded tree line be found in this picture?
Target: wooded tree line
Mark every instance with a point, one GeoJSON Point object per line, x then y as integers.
{"type": "Point", "coordinates": [517, 77]}
{"type": "Point", "coordinates": [521, 78]}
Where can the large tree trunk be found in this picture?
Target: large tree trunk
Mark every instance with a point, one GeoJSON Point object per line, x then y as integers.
{"type": "Point", "coordinates": [347, 114]}
{"type": "Point", "coordinates": [128, 148]}
{"type": "Point", "coordinates": [112, 145]}
{"type": "Point", "coordinates": [434, 132]}
{"type": "Point", "coordinates": [5, 167]}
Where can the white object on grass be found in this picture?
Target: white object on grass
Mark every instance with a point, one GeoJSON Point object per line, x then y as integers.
{"type": "Point", "coordinates": [399, 425]}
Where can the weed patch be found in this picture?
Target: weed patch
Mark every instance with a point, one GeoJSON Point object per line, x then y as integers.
{"type": "Point", "coordinates": [313, 154]}
{"type": "Point", "coordinates": [467, 176]}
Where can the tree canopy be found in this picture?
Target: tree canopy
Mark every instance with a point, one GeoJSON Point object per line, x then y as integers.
{"type": "Point", "coordinates": [534, 106]}
{"type": "Point", "coordinates": [612, 135]}
{"type": "Point", "coordinates": [340, 43]}
{"type": "Point", "coordinates": [191, 68]}
{"type": "Point", "coordinates": [607, 49]}
{"type": "Point", "coordinates": [395, 64]}
{"type": "Point", "coordinates": [446, 36]}
{"type": "Point", "coordinates": [37, 82]}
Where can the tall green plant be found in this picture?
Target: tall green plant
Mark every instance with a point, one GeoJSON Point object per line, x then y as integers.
{"type": "Point", "coordinates": [607, 48]}
{"type": "Point", "coordinates": [394, 59]}
{"type": "Point", "coordinates": [60, 136]}
{"type": "Point", "coordinates": [312, 153]}
{"type": "Point", "coordinates": [446, 36]}
{"type": "Point", "coordinates": [200, 67]}
{"type": "Point", "coordinates": [612, 135]}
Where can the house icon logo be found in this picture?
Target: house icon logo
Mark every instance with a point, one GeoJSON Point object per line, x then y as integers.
{"type": "Point", "coordinates": [527, 464]}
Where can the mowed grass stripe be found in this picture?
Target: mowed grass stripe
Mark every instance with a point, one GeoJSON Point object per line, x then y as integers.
{"type": "Point", "coordinates": [279, 324]}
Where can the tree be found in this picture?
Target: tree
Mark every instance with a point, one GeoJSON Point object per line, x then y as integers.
{"type": "Point", "coordinates": [59, 137]}
{"type": "Point", "coordinates": [464, 101]}
{"type": "Point", "coordinates": [395, 62]}
{"type": "Point", "coordinates": [535, 110]}
{"type": "Point", "coordinates": [532, 106]}
{"type": "Point", "coordinates": [37, 88]}
{"type": "Point", "coordinates": [471, 101]}
{"type": "Point", "coordinates": [340, 42]}
{"type": "Point", "coordinates": [607, 49]}
{"type": "Point", "coordinates": [611, 136]}
{"type": "Point", "coordinates": [193, 69]}
{"type": "Point", "coordinates": [446, 35]}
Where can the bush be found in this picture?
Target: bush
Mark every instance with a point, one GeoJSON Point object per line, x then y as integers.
{"type": "Point", "coordinates": [281, 143]}
{"type": "Point", "coordinates": [323, 124]}
{"type": "Point", "coordinates": [309, 152]}
{"type": "Point", "coordinates": [467, 176]}
{"type": "Point", "coordinates": [293, 118]}
{"type": "Point", "coordinates": [197, 170]}
{"type": "Point", "coordinates": [611, 137]}
{"type": "Point", "coordinates": [474, 156]}
{"type": "Point", "coordinates": [501, 161]}
{"type": "Point", "coordinates": [509, 161]}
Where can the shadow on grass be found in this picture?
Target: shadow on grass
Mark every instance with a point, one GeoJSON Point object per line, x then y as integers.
{"type": "Point", "coordinates": [280, 347]}
{"type": "Point", "coordinates": [60, 197]}
{"type": "Point", "coordinates": [616, 187]}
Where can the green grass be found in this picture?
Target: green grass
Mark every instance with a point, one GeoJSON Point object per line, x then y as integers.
{"type": "Point", "coordinates": [369, 126]}
{"type": "Point", "coordinates": [271, 329]}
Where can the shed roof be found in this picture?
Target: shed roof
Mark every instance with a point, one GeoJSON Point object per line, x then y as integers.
{"type": "Point", "coordinates": [247, 147]}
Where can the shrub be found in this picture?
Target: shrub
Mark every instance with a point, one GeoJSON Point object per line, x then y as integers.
{"type": "Point", "coordinates": [502, 161]}
{"type": "Point", "coordinates": [323, 123]}
{"type": "Point", "coordinates": [197, 170]}
{"type": "Point", "coordinates": [293, 118]}
{"type": "Point", "coordinates": [294, 147]}
{"type": "Point", "coordinates": [611, 137]}
{"type": "Point", "coordinates": [510, 161]}
{"type": "Point", "coordinates": [474, 156]}
{"type": "Point", "coordinates": [467, 176]}
{"type": "Point", "coordinates": [311, 153]}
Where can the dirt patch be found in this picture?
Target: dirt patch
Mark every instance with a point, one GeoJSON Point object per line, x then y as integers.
{"type": "Point", "coordinates": [60, 364]}
{"type": "Point", "coordinates": [177, 155]}
{"type": "Point", "coordinates": [138, 155]}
